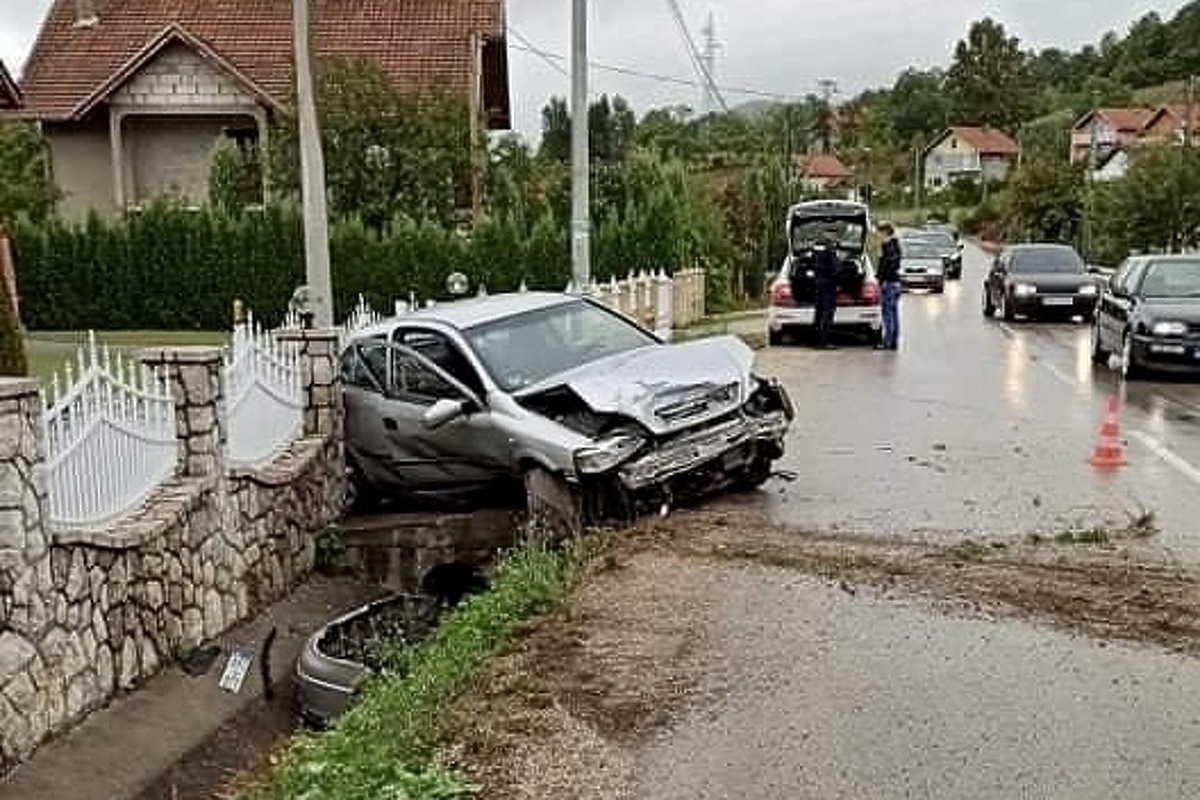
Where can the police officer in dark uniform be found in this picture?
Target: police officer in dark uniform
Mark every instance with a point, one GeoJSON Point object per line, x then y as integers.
{"type": "Point", "coordinates": [826, 265]}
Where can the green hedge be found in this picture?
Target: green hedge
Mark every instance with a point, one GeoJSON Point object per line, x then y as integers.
{"type": "Point", "coordinates": [170, 268]}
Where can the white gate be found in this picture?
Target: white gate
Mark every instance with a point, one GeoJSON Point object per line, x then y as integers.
{"type": "Point", "coordinates": [264, 403]}
{"type": "Point", "coordinates": [110, 438]}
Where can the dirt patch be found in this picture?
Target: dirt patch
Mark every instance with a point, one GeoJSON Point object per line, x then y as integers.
{"type": "Point", "coordinates": [564, 709]}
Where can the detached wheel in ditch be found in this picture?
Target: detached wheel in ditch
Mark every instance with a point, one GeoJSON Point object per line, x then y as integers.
{"type": "Point", "coordinates": [555, 508]}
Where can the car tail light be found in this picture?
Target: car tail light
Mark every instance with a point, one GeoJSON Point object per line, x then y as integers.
{"type": "Point", "coordinates": [781, 294]}
{"type": "Point", "coordinates": [870, 292]}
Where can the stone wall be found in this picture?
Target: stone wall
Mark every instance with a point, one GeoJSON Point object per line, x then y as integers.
{"type": "Point", "coordinates": [87, 614]}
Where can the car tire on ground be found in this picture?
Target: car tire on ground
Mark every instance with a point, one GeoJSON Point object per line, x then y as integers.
{"type": "Point", "coordinates": [775, 338]}
{"type": "Point", "coordinates": [1005, 308]}
{"type": "Point", "coordinates": [989, 308]}
{"type": "Point", "coordinates": [1130, 368]}
{"type": "Point", "coordinates": [757, 472]}
{"type": "Point", "coordinates": [1099, 354]}
{"type": "Point", "coordinates": [940, 288]}
{"type": "Point", "coordinates": [555, 508]}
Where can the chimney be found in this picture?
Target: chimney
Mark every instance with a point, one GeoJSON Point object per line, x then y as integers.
{"type": "Point", "coordinates": [85, 14]}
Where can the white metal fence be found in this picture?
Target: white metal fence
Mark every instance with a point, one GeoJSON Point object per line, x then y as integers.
{"type": "Point", "coordinates": [110, 435]}
{"type": "Point", "coordinates": [264, 394]}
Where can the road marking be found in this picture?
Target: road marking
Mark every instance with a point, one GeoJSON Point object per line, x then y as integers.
{"type": "Point", "coordinates": [1168, 455]}
{"type": "Point", "coordinates": [1058, 373]}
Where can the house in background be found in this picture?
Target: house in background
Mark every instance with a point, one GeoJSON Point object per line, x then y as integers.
{"type": "Point", "coordinates": [1114, 164]}
{"type": "Point", "coordinates": [1170, 124]}
{"type": "Point", "coordinates": [134, 95]}
{"type": "Point", "coordinates": [822, 173]}
{"type": "Point", "coordinates": [10, 94]}
{"type": "Point", "coordinates": [968, 153]}
{"type": "Point", "coordinates": [1114, 128]}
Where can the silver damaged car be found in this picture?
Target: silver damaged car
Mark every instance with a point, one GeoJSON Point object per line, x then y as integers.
{"type": "Point", "coordinates": [595, 416]}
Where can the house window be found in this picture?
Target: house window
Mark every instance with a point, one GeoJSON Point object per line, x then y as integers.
{"type": "Point", "coordinates": [246, 139]}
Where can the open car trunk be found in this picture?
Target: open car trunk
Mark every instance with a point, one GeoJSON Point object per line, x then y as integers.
{"type": "Point", "coordinates": [806, 222]}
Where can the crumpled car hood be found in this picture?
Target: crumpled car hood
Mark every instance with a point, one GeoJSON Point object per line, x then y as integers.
{"type": "Point", "coordinates": [666, 388]}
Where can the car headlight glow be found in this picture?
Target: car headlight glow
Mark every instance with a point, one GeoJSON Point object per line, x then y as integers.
{"type": "Point", "coordinates": [1088, 290]}
{"type": "Point", "coordinates": [607, 454]}
{"type": "Point", "coordinates": [1024, 290]}
{"type": "Point", "coordinates": [1169, 329]}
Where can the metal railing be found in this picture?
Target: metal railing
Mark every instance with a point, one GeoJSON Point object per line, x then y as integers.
{"type": "Point", "coordinates": [264, 401]}
{"type": "Point", "coordinates": [111, 437]}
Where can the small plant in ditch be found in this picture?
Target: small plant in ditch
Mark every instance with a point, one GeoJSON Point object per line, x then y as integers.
{"type": "Point", "coordinates": [383, 746]}
{"type": "Point", "coordinates": [331, 554]}
{"type": "Point", "coordinates": [1143, 524]}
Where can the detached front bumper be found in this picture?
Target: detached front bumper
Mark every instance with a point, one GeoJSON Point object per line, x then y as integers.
{"type": "Point", "coordinates": [729, 441]}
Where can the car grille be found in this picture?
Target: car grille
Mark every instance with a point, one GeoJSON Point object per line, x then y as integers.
{"type": "Point", "coordinates": [680, 406]}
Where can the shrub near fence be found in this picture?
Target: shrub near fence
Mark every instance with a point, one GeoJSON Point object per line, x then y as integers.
{"type": "Point", "coordinates": [170, 268]}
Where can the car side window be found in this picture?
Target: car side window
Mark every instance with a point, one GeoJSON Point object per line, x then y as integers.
{"type": "Point", "coordinates": [442, 352]}
{"type": "Point", "coordinates": [364, 365]}
{"type": "Point", "coordinates": [413, 381]}
{"type": "Point", "coordinates": [1121, 277]}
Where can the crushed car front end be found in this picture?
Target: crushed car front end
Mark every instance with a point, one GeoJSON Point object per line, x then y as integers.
{"type": "Point", "coordinates": [672, 423]}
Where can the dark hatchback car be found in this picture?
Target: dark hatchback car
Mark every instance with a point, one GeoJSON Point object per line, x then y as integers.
{"type": "Point", "coordinates": [1040, 280]}
{"type": "Point", "coordinates": [1149, 315]}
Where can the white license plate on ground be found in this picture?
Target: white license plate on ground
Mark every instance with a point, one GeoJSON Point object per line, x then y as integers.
{"type": "Point", "coordinates": [1057, 301]}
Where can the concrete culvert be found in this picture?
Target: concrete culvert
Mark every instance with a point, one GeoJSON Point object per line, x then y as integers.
{"type": "Point", "coordinates": [451, 583]}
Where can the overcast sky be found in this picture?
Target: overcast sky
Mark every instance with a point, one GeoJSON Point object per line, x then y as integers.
{"type": "Point", "coordinates": [780, 46]}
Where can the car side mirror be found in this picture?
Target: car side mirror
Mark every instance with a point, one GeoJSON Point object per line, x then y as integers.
{"type": "Point", "coordinates": [443, 412]}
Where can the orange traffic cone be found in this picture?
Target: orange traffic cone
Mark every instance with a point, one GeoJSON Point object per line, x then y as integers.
{"type": "Point", "coordinates": [1109, 452]}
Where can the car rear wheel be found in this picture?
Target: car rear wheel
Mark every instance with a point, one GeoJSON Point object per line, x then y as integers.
{"type": "Point", "coordinates": [361, 496]}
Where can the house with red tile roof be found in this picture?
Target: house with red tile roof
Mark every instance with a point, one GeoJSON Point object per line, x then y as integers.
{"type": "Point", "coordinates": [970, 153]}
{"type": "Point", "coordinates": [1170, 124]}
{"type": "Point", "coordinates": [1113, 129]}
{"type": "Point", "coordinates": [820, 172]}
{"type": "Point", "coordinates": [134, 95]}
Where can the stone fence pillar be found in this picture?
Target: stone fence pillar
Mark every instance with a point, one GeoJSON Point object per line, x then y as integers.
{"type": "Point", "coordinates": [320, 358]}
{"type": "Point", "coordinates": [28, 639]}
{"type": "Point", "coordinates": [194, 379]}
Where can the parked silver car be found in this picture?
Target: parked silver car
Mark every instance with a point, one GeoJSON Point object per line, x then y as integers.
{"type": "Point", "coordinates": [596, 415]}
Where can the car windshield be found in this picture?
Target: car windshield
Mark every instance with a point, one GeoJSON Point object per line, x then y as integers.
{"type": "Point", "coordinates": [1047, 260]}
{"type": "Point", "coordinates": [1172, 279]}
{"type": "Point", "coordinates": [526, 349]}
{"type": "Point", "coordinates": [943, 241]}
{"type": "Point", "coordinates": [849, 233]}
{"type": "Point", "coordinates": [920, 248]}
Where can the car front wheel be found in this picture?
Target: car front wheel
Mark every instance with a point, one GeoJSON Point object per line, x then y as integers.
{"type": "Point", "coordinates": [989, 308]}
{"type": "Point", "coordinates": [1099, 354]}
{"type": "Point", "coordinates": [555, 508]}
{"type": "Point", "coordinates": [1130, 368]}
{"type": "Point", "coordinates": [1005, 308]}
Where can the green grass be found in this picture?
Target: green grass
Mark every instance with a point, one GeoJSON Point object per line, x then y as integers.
{"type": "Point", "coordinates": [383, 747]}
{"type": "Point", "coordinates": [49, 351]}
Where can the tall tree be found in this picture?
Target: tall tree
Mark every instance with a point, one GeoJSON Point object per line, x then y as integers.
{"type": "Point", "coordinates": [26, 189]}
{"type": "Point", "coordinates": [989, 80]}
{"type": "Point", "coordinates": [556, 131]}
{"type": "Point", "coordinates": [918, 105]}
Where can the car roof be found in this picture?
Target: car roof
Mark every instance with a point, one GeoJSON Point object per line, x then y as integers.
{"type": "Point", "coordinates": [462, 314]}
{"type": "Point", "coordinates": [1027, 246]}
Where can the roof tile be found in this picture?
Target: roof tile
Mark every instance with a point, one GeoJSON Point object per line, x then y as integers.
{"type": "Point", "coordinates": [418, 43]}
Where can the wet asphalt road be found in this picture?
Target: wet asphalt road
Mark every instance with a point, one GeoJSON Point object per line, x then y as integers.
{"type": "Point", "coordinates": [980, 428]}
{"type": "Point", "coordinates": [832, 697]}
{"type": "Point", "coordinates": [976, 429]}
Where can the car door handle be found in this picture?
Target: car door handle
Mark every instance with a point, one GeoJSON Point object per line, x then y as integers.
{"type": "Point", "coordinates": [390, 424]}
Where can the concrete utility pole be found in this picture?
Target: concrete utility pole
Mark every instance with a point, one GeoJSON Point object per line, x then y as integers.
{"type": "Point", "coordinates": [312, 174]}
{"type": "Point", "coordinates": [581, 203]}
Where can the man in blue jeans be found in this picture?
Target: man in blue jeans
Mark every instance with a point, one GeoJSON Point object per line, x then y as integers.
{"type": "Point", "coordinates": [889, 284]}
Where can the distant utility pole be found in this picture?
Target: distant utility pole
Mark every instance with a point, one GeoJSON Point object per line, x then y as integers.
{"type": "Point", "coordinates": [712, 46]}
{"type": "Point", "coordinates": [581, 220]}
{"type": "Point", "coordinates": [312, 175]}
{"type": "Point", "coordinates": [828, 87]}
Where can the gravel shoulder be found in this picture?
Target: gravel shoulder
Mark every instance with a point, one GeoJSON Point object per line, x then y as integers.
{"type": "Point", "coordinates": [573, 705]}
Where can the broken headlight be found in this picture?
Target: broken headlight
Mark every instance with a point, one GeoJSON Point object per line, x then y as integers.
{"type": "Point", "coordinates": [607, 454]}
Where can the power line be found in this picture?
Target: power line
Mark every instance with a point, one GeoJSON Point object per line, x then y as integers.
{"type": "Point", "coordinates": [537, 51]}
{"type": "Point", "coordinates": [694, 53]}
{"type": "Point", "coordinates": [557, 59]}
